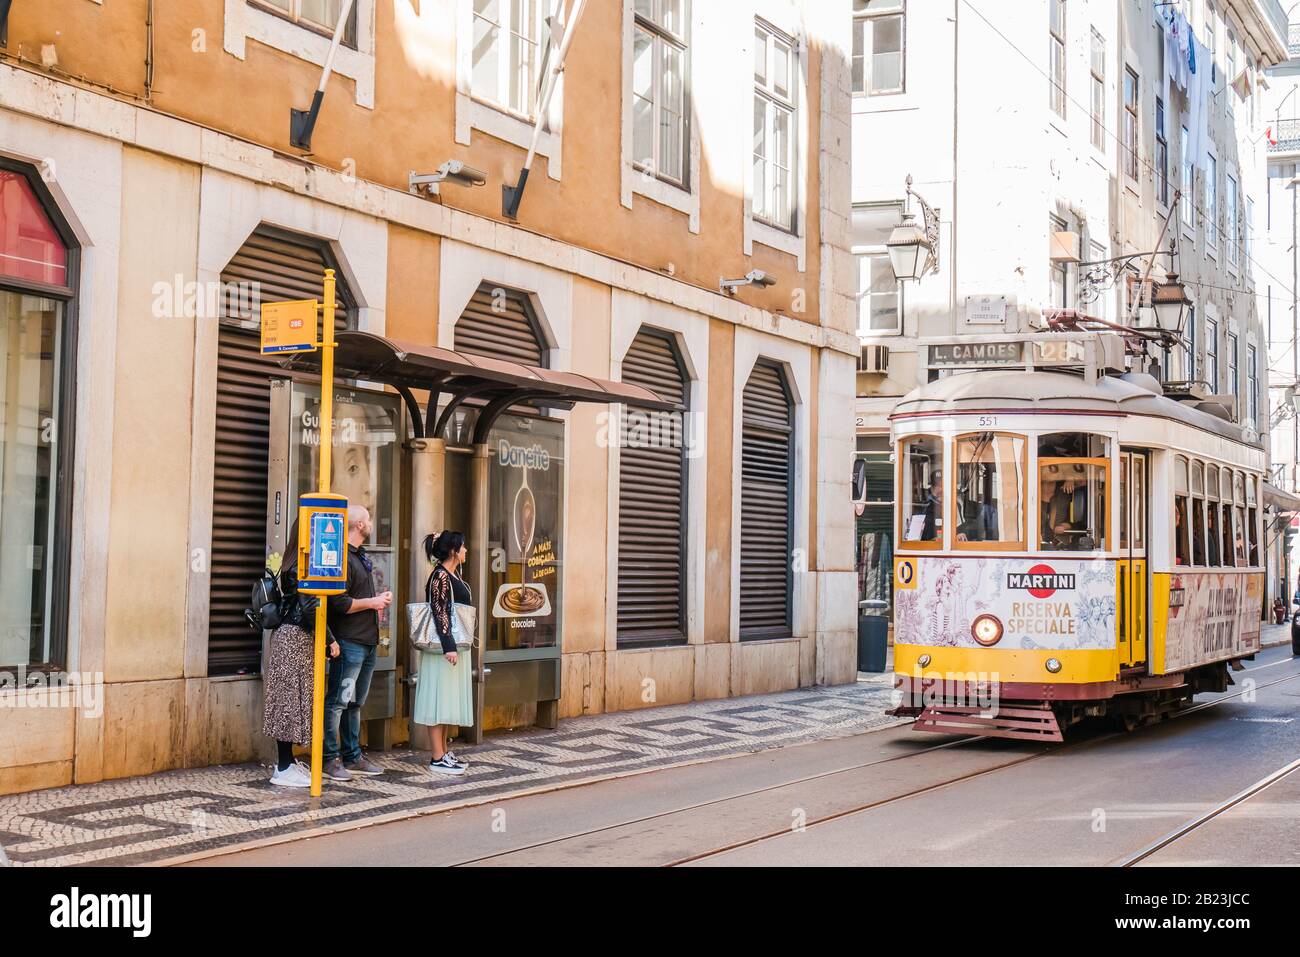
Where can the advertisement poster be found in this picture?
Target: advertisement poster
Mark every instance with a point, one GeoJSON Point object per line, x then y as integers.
{"type": "Point", "coordinates": [1212, 615]}
{"type": "Point", "coordinates": [526, 490]}
{"type": "Point", "coordinates": [1053, 604]}
{"type": "Point", "coordinates": [362, 467]}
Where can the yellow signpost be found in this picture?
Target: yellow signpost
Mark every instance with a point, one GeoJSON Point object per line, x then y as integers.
{"type": "Point", "coordinates": [322, 544]}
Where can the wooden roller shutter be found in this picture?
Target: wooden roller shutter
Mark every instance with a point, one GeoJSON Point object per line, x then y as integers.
{"type": "Point", "coordinates": [652, 500]}
{"type": "Point", "coordinates": [270, 266]}
{"type": "Point", "coordinates": [499, 323]}
{"type": "Point", "coordinates": [766, 526]}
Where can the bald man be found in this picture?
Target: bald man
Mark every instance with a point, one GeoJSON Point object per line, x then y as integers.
{"type": "Point", "coordinates": [354, 622]}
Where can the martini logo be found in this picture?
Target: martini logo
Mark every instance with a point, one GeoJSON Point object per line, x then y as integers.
{"type": "Point", "coordinates": [1041, 581]}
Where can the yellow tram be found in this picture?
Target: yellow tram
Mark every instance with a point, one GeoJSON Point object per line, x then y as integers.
{"type": "Point", "coordinates": [1067, 547]}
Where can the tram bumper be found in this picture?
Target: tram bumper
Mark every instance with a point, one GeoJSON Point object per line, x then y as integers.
{"type": "Point", "coordinates": [975, 707]}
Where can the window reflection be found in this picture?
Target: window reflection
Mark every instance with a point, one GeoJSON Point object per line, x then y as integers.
{"type": "Point", "coordinates": [923, 511]}
{"type": "Point", "coordinates": [990, 477]}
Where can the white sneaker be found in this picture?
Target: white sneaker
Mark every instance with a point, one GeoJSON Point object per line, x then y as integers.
{"type": "Point", "coordinates": [292, 777]}
{"type": "Point", "coordinates": [445, 766]}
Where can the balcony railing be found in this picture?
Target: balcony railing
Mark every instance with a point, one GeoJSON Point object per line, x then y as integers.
{"type": "Point", "coordinates": [1287, 134]}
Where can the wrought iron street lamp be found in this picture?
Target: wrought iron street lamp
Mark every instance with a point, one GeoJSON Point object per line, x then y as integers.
{"type": "Point", "coordinates": [1171, 303]}
{"type": "Point", "coordinates": [913, 251]}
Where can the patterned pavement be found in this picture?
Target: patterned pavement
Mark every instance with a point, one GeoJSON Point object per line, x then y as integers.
{"type": "Point", "coordinates": [164, 816]}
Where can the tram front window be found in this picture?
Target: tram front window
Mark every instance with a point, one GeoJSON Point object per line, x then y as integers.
{"type": "Point", "coordinates": [922, 484]}
{"type": "Point", "coordinates": [1072, 473]}
{"type": "Point", "coordinates": [990, 476]}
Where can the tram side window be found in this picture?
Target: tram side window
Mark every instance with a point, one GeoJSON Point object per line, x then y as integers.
{"type": "Point", "coordinates": [1072, 474]}
{"type": "Point", "coordinates": [1212, 539]}
{"type": "Point", "coordinates": [1198, 514]}
{"type": "Point", "coordinates": [923, 511]}
{"type": "Point", "coordinates": [1225, 502]}
{"type": "Point", "coordinates": [1239, 518]}
{"type": "Point", "coordinates": [1252, 532]}
{"type": "Point", "coordinates": [990, 479]}
{"type": "Point", "coordinates": [1182, 538]}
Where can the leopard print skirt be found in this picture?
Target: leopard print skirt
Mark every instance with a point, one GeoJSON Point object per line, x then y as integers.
{"type": "Point", "coordinates": [287, 685]}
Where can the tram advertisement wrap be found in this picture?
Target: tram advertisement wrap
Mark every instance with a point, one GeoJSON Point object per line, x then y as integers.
{"type": "Point", "coordinates": [1055, 604]}
{"type": "Point", "coordinates": [1212, 616]}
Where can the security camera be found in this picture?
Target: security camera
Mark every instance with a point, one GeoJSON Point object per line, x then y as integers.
{"type": "Point", "coordinates": [452, 171]}
{"type": "Point", "coordinates": [755, 277]}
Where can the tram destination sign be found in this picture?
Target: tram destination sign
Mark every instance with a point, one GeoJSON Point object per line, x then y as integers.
{"type": "Point", "coordinates": [977, 354]}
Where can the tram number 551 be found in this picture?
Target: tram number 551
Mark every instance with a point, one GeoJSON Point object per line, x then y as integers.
{"type": "Point", "coordinates": [988, 422]}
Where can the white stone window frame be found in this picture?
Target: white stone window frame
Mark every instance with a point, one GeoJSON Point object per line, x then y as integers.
{"type": "Point", "coordinates": [245, 21]}
{"type": "Point", "coordinates": [750, 347]}
{"type": "Point", "coordinates": [630, 313]}
{"type": "Point", "coordinates": [493, 119]}
{"type": "Point", "coordinates": [786, 19]}
{"type": "Point", "coordinates": [642, 182]}
{"type": "Point", "coordinates": [859, 251]}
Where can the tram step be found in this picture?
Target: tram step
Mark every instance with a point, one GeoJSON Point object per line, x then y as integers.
{"type": "Point", "coordinates": [1030, 722]}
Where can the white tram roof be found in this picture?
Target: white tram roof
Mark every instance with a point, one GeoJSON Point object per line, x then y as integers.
{"type": "Point", "coordinates": [1021, 391]}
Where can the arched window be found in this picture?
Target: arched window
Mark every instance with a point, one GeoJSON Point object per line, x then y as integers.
{"type": "Point", "coordinates": [652, 498]}
{"type": "Point", "coordinates": [766, 504]}
{"type": "Point", "coordinates": [37, 405]}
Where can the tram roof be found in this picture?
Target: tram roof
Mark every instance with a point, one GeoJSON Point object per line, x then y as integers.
{"type": "Point", "coordinates": [1039, 392]}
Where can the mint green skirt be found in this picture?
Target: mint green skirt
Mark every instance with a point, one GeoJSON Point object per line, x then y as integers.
{"type": "Point", "coordinates": [443, 692]}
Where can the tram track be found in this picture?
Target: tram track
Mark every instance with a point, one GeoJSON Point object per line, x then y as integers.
{"type": "Point", "coordinates": [872, 805]}
{"type": "Point", "coordinates": [1178, 833]}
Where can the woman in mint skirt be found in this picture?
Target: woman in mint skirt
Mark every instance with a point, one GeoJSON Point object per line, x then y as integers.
{"type": "Point", "coordinates": [443, 695]}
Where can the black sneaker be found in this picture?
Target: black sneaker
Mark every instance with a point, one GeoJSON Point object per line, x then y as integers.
{"type": "Point", "coordinates": [451, 756]}
{"type": "Point", "coordinates": [445, 765]}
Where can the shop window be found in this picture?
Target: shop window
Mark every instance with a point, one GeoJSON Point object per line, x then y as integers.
{"type": "Point", "coordinates": [1182, 538]}
{"type": "Point", "coordinates": [990, 491]}
{"type": "Point", "coordinates": [37, 349]}
{"type": "Point", "coordinates": [1073, 473]}
{"type": "Point", "coordinates": [922, 484]}
{"type": "Point", "coordinates": [1198, 514]}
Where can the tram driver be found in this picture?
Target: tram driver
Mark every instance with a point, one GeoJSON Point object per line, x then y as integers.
{"type": "Point", "coordinates": [1063, 497]}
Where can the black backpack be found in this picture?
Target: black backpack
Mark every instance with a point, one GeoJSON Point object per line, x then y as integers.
{"type": "Point", "coordinates": [267, 603]}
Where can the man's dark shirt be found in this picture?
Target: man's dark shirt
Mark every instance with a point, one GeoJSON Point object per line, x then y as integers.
{"type": "Point", "coordinates": [362, 626]}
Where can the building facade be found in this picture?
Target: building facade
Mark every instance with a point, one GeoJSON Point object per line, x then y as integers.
{"type": "Point", "coordinates": [153, 198]}
{"type": "Point", "coordinates": [1087, 142]}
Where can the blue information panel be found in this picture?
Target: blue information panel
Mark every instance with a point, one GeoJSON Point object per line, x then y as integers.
{"type": "Point", "coordinates": [322, 544]}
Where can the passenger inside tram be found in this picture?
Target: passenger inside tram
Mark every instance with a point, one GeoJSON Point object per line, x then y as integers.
{"type": "Point", "coordinates": [1212, 533]}
{"type": "Point", "coordinates": [1072, 469]}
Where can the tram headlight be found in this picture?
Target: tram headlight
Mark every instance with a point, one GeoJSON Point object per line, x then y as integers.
{"type": "Point", "coordinates": [986, 630]}
{"type": "Point", "coordinates": [1053, 665]}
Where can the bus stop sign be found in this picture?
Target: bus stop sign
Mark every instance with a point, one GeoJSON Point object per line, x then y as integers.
{"type": "Point", "coordinates": [322, 544]}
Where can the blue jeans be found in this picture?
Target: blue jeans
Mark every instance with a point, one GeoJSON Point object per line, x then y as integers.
{"type": "Point", "coordinates": [349, 683]}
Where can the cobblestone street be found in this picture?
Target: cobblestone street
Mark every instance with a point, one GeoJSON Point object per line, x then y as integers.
{"type": "Point", "coordinates": [177, 814]}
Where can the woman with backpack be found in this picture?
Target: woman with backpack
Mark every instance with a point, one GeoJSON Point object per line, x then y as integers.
{"type": "Point", "coordinates": [287, 678]}
{"type": "Point", "coordinates": [443, 691]}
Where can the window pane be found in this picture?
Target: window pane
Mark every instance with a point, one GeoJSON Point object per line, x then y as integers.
{"type": "Point", "coordinates": [923, 502]}
{"type": "Point", "coordinates": [781, 67]}
{"type": "Point", "coordinates": [877, 6]}
{"type": "Point", "coordinates": [324, 13]}
{"type": "Point", "coordinates": [860, 28]}
{"type": "Point", "coordinates": [486, 52]}
{"type": "Point", "coordinates": [990, 479]}
{"type": "Point", "coordinates": [760, 156]}
{"type": "Point", "coordinates": [887, 54]}
{"type": "Point", "coordinates": [672, 16]}
{"type": "Point", "coordinates": [671, 115]}
{"type": "Point", "coordinates": [878, 298]}
{"type": "Point", "coordinates": [29, 344]}
{"type": "Point", "coordinates": [642, 99]}
{"type": "Point", "coordinates": [1139, 505]}
{"type": "Point", "coordinates": [1198, 532]}
{"type": "Point", "coordinates": [1182, 543]}
{"type": "Point", "coordinates": [760, 56]}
